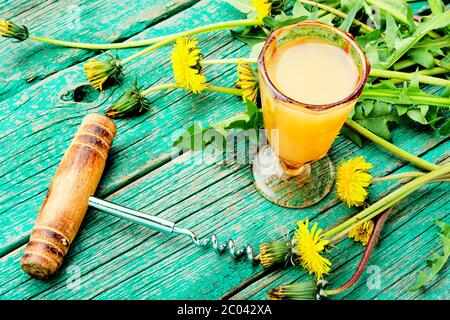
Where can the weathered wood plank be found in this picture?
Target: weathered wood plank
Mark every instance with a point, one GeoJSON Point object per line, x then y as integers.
{"type": "Point", "coordinates": [25, 64]}
{"type": "Point", "coordinates": [120, 260]}
{"type": "Point", "coordinates": [395, 254]}
{"type": "Point", "coordinates": [114, 256]}
{"type": "Point", "coordinates": [168, 287]}
{"type": "Point", "coordinates": [35, 135]}
{"type": "Point", "coordinates": [26, 206]}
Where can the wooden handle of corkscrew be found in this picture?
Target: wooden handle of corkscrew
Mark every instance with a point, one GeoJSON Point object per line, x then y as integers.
{"type": "Point", "coordinates": [67, 198]}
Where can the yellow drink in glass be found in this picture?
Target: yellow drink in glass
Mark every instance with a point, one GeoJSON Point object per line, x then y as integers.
{"type": "Point", "coordinates": [311, 75]}
{"type": "Point", "coordinates": [311, 71]}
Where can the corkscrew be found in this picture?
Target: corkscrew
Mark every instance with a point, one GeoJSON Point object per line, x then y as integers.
{"type": "Point", "coordinates": [70, 195]}
{"type": "Point", "coordinates": [169, 227]}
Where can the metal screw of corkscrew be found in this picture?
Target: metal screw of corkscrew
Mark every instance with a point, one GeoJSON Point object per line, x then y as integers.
{"type": "Point", "coordinates": [68, 197]}
{"type": "Point", "coordinates": [168, 227]}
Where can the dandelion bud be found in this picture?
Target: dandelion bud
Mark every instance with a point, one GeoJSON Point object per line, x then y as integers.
{"type": "Point", "coordinates": [9, 29]}
{"type": "Point", "coordinates": [132, 101]}
{"type": "Point", "coordinates": [98, 71]}
{"type": "Point", "coordinates": [307, 290]}
{"type": "Point", "coordinates": [275, 252]}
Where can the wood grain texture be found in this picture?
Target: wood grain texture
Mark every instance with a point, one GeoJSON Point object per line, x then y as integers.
{"type": "Point", "coordinates": [37, 122]}
{"type": "Point", "coordinates": [119, 260]}
{"type": "Point", "coordinates": [67, 198]}
{"type": "Point", "coordinates": [111, 258]}
{"type": "Point", "coordinates": [25, 64]}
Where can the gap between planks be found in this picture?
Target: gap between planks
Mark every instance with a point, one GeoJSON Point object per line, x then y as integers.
{"type": "Point", "coordinates": [248, 282]}
{"type": "Point", "coordinates": [157, 162]}
{"type": "Point", "coordinates": [347, 263]}
{"type": "Point", "coordinates": [171, 9]}
{"type": "Point", "coordinates": [162, 160]}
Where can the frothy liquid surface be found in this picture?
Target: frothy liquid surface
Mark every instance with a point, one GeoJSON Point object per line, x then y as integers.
{"type": "Point", "coordinates": [312, 71]}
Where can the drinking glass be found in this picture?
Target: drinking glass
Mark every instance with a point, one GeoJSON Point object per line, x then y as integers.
{"type": "Point", "coordinates": [293, 170]}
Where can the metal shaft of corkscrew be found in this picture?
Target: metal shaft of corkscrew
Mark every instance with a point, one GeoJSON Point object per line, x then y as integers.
{"type": "Point", "coordinates": [169, 227]}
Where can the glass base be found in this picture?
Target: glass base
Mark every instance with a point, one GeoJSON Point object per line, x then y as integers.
{"type": "Point", "coordinates": [292, 188]}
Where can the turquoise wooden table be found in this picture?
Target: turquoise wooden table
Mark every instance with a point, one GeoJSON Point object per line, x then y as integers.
{"type": "Point", "coordinates": [42, 102]}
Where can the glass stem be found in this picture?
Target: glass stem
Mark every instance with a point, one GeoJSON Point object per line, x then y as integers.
{"type": "Point", "coordinates": [408, 76]}
{"type": "Point", "coordinates": [207, 28]}
{"type": "Point", "coordinates": [295, 171]}
{"type": "Point", "coordinates": [384, 203]}
{"type": "Point", "coordinates": [391, 147]}
{"type": "Point", "coordinates": [146, 42]}
{"type": "Point", "coordinates": [365, 28]}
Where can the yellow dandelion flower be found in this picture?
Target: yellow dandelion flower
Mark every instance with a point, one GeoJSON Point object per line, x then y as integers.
{"type": "Point", "coordinates": [308, 245]}
{"type": "Point", "coordinates": [363, 232]}
{"type": "Point", "coordinates": [262, 8]}
{"type": "Point", "coordinates": [352, 180]}
{"type": "Point", "coordinates": [247, 81]}
{"type": "Point", "coordinates": [9, 29]}
{"type": "Point", "coordinates": [186, 65]}
{"type": "Point", "coordinates": [98, 71]}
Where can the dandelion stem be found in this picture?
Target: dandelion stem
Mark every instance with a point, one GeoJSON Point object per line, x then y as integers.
{"type": "Point", "coordinates": [229, 61]}
{"type": "Point", "coordinates": [146, 42]}
{"type": "Point", "coordinates": [427, 72]}
{"type": "Point", "coordinates": [100, 46]}
{"type": "Point", "coordinates": [406, 63]}
{"type": "Point", "coordinates": [441, 42]}
{"type": "Point", "coordinates": [239, 116]}
{"type": "Point", "coordinates": [384, 203]}
{"type": "Point", "coordinates": [416, 98]}
{"type": "Point", "coordinates": [338, 13]}
{"type": "Point", "coordinates": [398, 16]}
{"type": "Point", "coordinates": [209, 87]}
{"type": "Point", "coordinates": [408, 76]}
{"type": "Point", "coordinates": [159, 87]}
{"type": "Point", "coordinates": [391, 147]}
{"type": "Point", "coordinates": [403, 64]}
{"type": "Point", "coordinates": [145, 51]}
{"type": "Point", "coordinates": [405, 175]}
{"type": "Point", "coordinates": [201, 29]}
{"type": "Point", "coordinates": [398, 176]}
{"type": "Point", "coordinates": [365, 258]}
{"type": "Point", "coordinates": [227, 90]}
